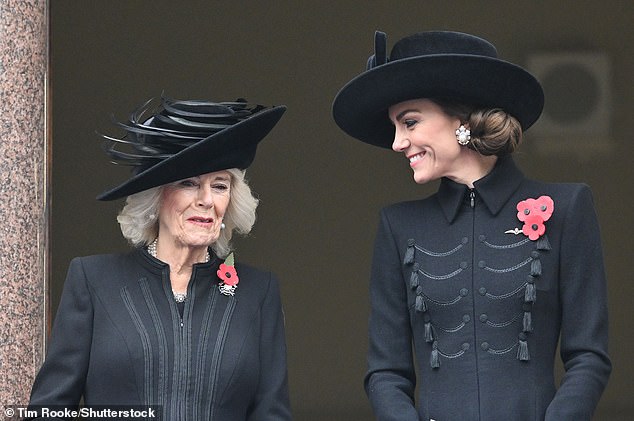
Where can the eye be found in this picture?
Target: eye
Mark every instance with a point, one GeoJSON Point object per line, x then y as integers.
{"type": "Point", "coordinates": [220, 187]}
{"type": "Point", "coordinates": [409, 123]}
{"type": "Point", "coordinates": [188, 183]}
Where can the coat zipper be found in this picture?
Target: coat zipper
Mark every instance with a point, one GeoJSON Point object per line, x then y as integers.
{"type": "Point", "coordinates": [180, 350]}
{"type": "Point", "coordinates": [472, 197]}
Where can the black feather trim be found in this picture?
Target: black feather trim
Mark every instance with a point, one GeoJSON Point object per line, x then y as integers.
{"type": "Point", "coordinates": [155, 132]}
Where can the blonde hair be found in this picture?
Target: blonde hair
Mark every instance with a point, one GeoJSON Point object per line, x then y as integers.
{"type": "Point", "coordinates": [493, 131]}
{"type": "Point", "coordinates": [139, 217]}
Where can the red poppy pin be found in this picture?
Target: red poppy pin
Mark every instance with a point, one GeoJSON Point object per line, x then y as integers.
{"type": "Point", "coordinates": [228, 275]}
{"type": "Point", "coordinates": [533, 213]}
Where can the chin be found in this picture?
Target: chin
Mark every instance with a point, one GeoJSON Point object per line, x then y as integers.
{"type": "Point", "coordinates": [425, 178]}
{"type": "Point", "coordinates": [201, 243]}
{"type": "Point", "coordinates": [422, 179]}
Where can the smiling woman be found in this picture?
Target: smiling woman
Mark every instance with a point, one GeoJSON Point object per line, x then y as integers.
{"type": "Point", "coordinates": [209, 348]}
{"type": "Point", "coordinates": [457, 113]}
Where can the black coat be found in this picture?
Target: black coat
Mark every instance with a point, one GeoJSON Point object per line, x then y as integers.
{"type": "Point", "coordinates": [478, 310]}
{"type": "Point", "coordinates": [119, 338]}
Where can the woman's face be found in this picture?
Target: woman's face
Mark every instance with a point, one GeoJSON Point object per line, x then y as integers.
{"type": "Point", "coordinates": [191, 210]}
{"type": "Point", "coordinates": [427, 137]}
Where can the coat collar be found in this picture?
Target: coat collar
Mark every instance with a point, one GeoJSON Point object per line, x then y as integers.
{"type": "Point", "coordinates": [157, 266]}
{"type": "Point", "coordinates": [494, 189]}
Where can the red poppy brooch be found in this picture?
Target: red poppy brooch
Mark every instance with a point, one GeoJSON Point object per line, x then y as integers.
{"type": "Point", "coordinates": [228, 276]}
{"type": "Point", "coordinates": [533, 213]}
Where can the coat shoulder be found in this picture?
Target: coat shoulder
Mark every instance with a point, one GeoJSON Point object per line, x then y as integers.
{"type": "Point", "coordinates": [555, 188]}
{"type": "Point", "coordinates": [411, 206]}
{"type": "Point", "coordinates": [100, 260]}
{"type": "Point", "coordinates": [258, 282]}
{"type": "Point", "coordinates": [108, 265]}
{"type": "Point", "coordinates": [563, 194]}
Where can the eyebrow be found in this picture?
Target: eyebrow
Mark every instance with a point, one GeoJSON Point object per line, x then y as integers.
{"type": "Point", "coordinates": [402, 113]}
{"type": "Point", "coordinates": [216, 178]}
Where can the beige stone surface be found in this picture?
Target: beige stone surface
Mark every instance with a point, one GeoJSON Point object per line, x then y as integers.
{"type": "Point", "coordinates": [23, 72]}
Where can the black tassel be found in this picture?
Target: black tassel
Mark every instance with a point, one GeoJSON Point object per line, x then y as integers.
{"type": "Point", "coordinates": [536, 267]}
{"type": "Point", "coordinates": [528, 322]}
{"type": "Point", "coordinates": [435, 357]}
{"type": "Point", "coordinates": [421, 306]}
{"type": "Point", "coordinates": [429, 333]}
{"type": "Point", "coordinates": [413, 279]}
{"type": "Point", "coordinates": [530, 294]}
{"type": "Point", "coordinates": [522, 350]}
{"type": "Point", "coordinates": [409, 253]}
{"type": "Point", "coordinates": [543, 243]}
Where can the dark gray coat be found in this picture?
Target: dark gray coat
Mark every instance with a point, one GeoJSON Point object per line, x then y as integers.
{"type": "Point", "coordinates": [478, 310]}
{"type": "Point", "coordinates": [119, 338]}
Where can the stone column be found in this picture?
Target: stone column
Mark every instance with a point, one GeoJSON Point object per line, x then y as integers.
{"type": "Point", "coordinates": [23, 195]}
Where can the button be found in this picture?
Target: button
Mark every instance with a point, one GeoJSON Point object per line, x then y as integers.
{"type": "Point", "coordinates": [482, 237]}
{"type": "Point", "coordinates": [465, 346]}
{"type": "Point", "coordinates": [482, 264]}
{"type": "Point", "coordinates": [464, 292]}
{"type": "Point", "coordinates": [464, 265]}
{"type": "Point", "coordinates": [482, 290]}
{"type": "Point", "coordinates": [484, 318]}
{"type": "Point", "coordinates": [465, 240]}
{"type": "Point", "coordinates": [484, 346]}
{"type": "Point", "coordinates": [466, 318]}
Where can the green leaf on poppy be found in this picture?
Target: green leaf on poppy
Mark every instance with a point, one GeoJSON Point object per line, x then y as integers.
{"type": "Point", "coordinates": [229, 261]}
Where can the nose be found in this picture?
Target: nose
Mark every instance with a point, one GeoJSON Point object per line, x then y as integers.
{"type": "Point", "coordinates": [205, 197]}
{"type": "Point", "coordinates": [401, 141]}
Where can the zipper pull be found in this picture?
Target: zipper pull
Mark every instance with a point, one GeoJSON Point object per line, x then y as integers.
{"type": "Point", "coordinates": [472, 197]}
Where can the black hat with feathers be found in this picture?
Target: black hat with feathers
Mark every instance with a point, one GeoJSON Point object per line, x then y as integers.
{"type": "Point", "coordinates": [177, 139]}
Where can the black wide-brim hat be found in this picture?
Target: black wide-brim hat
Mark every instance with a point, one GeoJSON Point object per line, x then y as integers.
{"type": "Point", "coordinates": [182, 139]}
{"type": "Point", "coordinates": [435, 64]}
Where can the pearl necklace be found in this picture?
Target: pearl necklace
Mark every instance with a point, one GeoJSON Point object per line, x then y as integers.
{"type": "Point", "coordinates": [179, 297]}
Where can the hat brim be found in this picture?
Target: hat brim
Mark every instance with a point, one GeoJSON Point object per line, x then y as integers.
{"type": "Point", "coordinates": [361, 106]}
{"type": "Point", "coordinates": [233, 147]}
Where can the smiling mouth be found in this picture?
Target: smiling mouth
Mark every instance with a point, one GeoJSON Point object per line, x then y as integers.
{"type": "Point", "coordinates": [414, 158]}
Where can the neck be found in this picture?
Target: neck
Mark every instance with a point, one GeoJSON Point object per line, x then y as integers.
{"type": "Point", "coordinates": [180, 260]}
{"type": "Point", "coordinates": [472, 167]}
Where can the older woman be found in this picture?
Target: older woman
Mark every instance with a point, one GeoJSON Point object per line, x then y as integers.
{"type": "Point", "coordinates": [175, 323]}
{"type": "Point", "coordinates": [473, 287]}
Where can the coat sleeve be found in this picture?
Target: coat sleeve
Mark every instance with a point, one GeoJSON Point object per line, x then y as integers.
{"type": "Point", "coordinates": [271, 401]}
{"type": "Point", "coordinates": [584, 318]}
{"type": "Point", "coordinates": [390, 380]}
{"type": "Point", "coordinates": [60, 381]}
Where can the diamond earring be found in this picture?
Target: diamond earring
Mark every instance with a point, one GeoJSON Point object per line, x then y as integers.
{"type": "Point", "coordinates": [463, 135]}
